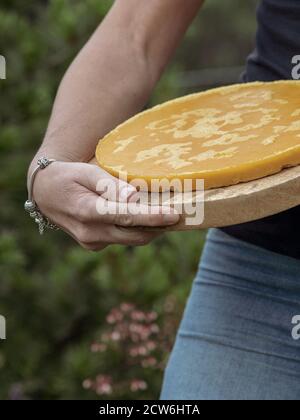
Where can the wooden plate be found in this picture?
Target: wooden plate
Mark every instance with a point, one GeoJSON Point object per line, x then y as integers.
{"type": "Point", "coordinates": [236, 138]}
{"type": "Point", "coordinates": [245, 202]}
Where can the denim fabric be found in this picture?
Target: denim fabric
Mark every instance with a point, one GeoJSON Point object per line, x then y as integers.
{"type": "Point", "coordinates": [235, 340]}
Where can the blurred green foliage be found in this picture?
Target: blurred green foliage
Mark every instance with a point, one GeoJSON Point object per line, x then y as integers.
{"type": "Point", "coordinates": [54, 295]}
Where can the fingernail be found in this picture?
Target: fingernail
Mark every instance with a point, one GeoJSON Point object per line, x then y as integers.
{"type": "Point", "coordinates": [126, 192]}
{"type": "Point", "coordinates": [171, 219]}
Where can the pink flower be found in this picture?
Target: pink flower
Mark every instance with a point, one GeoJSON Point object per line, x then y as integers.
{"type": "Point", "coordinates": [104, 389]}
{"type": "Point", "coordinates": [151, 345]}
{"type": "Point", "coordinates": [98, 347]}
{"type": "Point", "coordinates": [143, 351]}
{"type": "Point", "coordinates": [152, 316]}
{"type": "Point", "coordinates": [154, 328]}
{"type": "Point", "coordinates": [114, 316]}
{"type": "Point", "coordinates": [138, 385]}
{"type": "Point", "coordinates": [115, 336]}
{"type": "Point", "coordinates": [103, 385]}
{"type": "Point", "coordinates": [150, 362]}
{"type": "Point", "coordinates": [138, 316]}
{"type": "Point", "coordinates": [126, 307]}
{"type": "Point", "coordinates": [134, 352]}
{"type": "Point", "coordinates": [87, 384]}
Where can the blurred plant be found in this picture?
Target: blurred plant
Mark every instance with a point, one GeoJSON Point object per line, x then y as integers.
{"type": "Point", "coordinates": [133, 347]}
{"type": "Point", "coordinates": [52, 293]}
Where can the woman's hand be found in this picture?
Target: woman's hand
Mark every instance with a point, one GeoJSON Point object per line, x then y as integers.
{"type": "Point", "coordinates": [67, 194]}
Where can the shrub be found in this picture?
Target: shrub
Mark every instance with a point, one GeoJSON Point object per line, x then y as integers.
{"type": "Point", "coordinates": [55, 295]}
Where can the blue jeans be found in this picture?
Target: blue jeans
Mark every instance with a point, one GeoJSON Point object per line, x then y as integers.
{"type": "Point", "coordinates": [235, 340]}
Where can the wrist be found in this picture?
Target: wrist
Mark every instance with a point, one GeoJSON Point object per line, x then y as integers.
{"type": "Point", "coordinates": [50, 153]}
{"type": "Point", "coordinates": [30, 205]}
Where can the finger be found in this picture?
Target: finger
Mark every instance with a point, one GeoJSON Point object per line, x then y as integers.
{"type": "Point", "coordinates": [104, 184]}
{"type": "Point", "coordinates": [92, 208]}
{"type": "Point", "coordinates": [96, 236]}
{"type": "Point", "coordinates": [95, 247]}
{"type": "Point", "coordinates": [133, 214]}
{"type": "Point", "coordinates": [119, 236]}
{"type": "Point", "coordinates": [124, 236]}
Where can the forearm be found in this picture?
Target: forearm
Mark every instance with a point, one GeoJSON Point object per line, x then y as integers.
{"type": "Point", "coordinates": [110, 80]}
{"type": "Point", "coordinates": [114, 74]}
{"type": "Point", "coordinates": [107, 82]}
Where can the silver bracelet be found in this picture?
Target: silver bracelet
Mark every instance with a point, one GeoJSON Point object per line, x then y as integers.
{"type": "Point", "coordinates": [30, 205]}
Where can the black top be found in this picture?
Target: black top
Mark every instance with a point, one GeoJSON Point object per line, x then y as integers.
{"type": "Point", "coordinates": [277, 42]}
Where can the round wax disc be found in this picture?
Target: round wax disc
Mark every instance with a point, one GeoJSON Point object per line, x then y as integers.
{"type": "Point", "coordinates": [224, 136]}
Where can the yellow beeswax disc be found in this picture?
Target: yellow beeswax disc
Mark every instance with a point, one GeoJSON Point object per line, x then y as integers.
{"type": "Point", "coordinates": [224, 136]}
